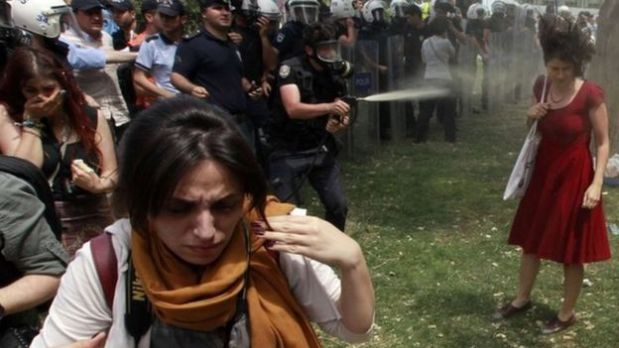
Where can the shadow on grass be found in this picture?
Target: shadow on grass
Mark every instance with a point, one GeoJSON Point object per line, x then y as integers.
{"type": "Point", "coordinates": [468, 321]}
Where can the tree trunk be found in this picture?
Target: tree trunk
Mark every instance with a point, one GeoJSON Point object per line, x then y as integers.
{"type": "Point", "coordinates": [604, 67]}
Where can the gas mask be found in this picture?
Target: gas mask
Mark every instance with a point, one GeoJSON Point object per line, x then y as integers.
{"type": "Point", "coordinates": [328, 55]}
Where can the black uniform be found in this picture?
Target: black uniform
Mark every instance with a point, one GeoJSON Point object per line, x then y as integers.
{"type": "Point", "coordinates": [379, 33]}
{"type": "Point", "coordinates": [216, 65]}
{"type": "Point", "coordinates": [413, 64]}
{"type": "Point", "coordinates": [304, 147]}
{"type": "Point", "coordinates": [253, 69]}
{"type": "Point", "coordinates": [289, 40]}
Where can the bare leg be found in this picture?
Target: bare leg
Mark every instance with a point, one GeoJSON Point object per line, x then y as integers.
{"type": "Point", "coordinates": [573, 275]}
{"type": "Point", "coordinates": [529, 267]}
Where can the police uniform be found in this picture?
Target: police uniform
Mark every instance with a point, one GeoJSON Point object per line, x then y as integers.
{"type": "Point", "coordinates": [156, 56]}
{"type": "Point", "coordinates": [289, 40]}
{"type": "Point", "coordinates": [304, 147]}
{"type": "Point", "coordinates": [216, 65]}
{"type": "Point", "coordinates": [253, 67]}
{"type": "Point", "coordinates": [380, 33]}
{"type": "Point", "coordinates": [413, 67]}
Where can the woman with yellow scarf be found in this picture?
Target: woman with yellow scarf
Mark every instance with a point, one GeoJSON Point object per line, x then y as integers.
{"type": "Point", "coordinates": [221, 264]}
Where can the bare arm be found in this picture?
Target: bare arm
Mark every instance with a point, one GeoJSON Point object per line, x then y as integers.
{"type": "Point", "coordinates": [30, 146]}
{"type": "Point", "coordinates": [460, 36]}
{"type": "Point", "coordinates": [184, 85]}
{"type": "Point", "coordinates": [28, 292]}
{"type": "Point", "coordinates": [106, 181]}
{"type": "Point", "coordinates": [351, 34]}
{"type": "Point", "coordinates": [36, 108]}
{"type": "Point", "coordinates": [141, 79]}
{"type": "Point", "coordinates": [269, 54]}
{"type": "Point", "coordinates": [291, 99]}
{"type": "Point", "coordinates": [9, 133]}
{"type": "Point", "coordinates": [599, 120]}
{"type": "Point", "coordinates": [321, 241]}
{"type": "Point", "coordinates": [357, 299]}
{"type": "Point", "coordinates": [114, 57]}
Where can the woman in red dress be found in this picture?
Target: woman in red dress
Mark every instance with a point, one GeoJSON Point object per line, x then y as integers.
{"type": "Point", "coordinates": [560, 218]}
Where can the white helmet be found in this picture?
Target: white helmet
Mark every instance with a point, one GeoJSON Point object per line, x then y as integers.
{"type": "Point", "coordinates": [499, 7]}
{"type": "Point", "coordinates": [39, 17]}
{"type": "Point", "coordinates": [476, 11]}
{"type": "Point", "coordinates": [261, 8]}
{"type": "Point", "coordinates": [304, 11]}
{"type": "Point", "coordinates": [397, 8]}
{"type": "Point", "coordinates": [564, 12]}
{"type": "Point", "coordinates": [373, 11]}
{"type": "Point", "coordinates": [342, 9]}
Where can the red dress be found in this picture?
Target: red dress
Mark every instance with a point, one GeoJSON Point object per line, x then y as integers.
{"type": "Point", "coordinates": [550, 221]}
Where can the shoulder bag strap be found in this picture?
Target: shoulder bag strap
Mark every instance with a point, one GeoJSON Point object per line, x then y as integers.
{"type": "Point", "coordinates": [106, 264]}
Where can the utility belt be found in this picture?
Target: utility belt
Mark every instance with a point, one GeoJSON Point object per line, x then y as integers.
{"type": "Point", "coordinates": [291, 153]}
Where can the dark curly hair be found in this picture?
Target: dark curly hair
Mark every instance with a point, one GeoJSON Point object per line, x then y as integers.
{"type": "Point", "coordinates": [562, 39]}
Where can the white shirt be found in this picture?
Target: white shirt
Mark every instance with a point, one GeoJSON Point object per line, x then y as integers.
{"type": "Point", "coordinates": [435, 53]}
{"type": "Point", "coordinates": [79, 310]}
{"type": "Point", "coordinates": [101, 84]}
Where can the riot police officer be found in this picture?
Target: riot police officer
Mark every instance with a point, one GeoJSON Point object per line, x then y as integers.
{"type": "Point", "coordinates": [376, 28]}
{"type": "Point", "coordinates": [306, 112]}
{"type": "Point", "coordinates": [289, 40]}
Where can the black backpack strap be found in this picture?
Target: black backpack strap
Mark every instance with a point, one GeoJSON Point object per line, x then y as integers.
{"type": "Point", "coordinates": [138, 315]}
{"type": "Point", "coordinates": [33, 175]}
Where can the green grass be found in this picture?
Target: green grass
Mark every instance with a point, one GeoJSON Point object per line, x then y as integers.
{"type": "Point", "coordinates": [433, 226]}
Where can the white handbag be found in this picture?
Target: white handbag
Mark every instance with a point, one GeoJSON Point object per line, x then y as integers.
{"type": "Point", "coordinates": [523, 169]}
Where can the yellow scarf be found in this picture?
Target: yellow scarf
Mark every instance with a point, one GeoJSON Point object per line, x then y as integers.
{"type": "Point", "coordinates": [180, 299]}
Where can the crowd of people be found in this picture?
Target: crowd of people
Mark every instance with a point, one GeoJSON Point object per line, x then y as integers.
{"type": "Point", "coordinates": [189, 133]}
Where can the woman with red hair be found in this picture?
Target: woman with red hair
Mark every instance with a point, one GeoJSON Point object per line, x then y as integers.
{"type": "Point", "coordinates": [45, 119]}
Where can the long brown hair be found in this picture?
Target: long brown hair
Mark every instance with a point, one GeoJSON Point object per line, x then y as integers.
{"type": "Point", "coordinates": [27, 63]}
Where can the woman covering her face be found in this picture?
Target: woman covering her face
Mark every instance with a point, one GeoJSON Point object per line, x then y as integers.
{"type": "Point", "coordinates": [561, 218]}
{"type": "Point", "coordinates": [45, 120]}
{"type": "Point", "coordinates": [209, 247]}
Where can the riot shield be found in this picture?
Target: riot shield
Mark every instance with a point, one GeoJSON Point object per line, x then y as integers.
{"type": "Point", "coordinates": [496, 70]}
{"type": "Point", "coordinates": [466, 71]}
{"type": "Point", "coordinates": [363, 133]}
{"type": "Point", "coordinates": [395, 80]}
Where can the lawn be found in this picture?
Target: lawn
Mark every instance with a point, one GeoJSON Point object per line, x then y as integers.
{"type": "Point", "coordinates": [433, 226]}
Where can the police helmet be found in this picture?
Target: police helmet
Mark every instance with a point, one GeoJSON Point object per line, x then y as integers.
{"type": "Point", "coordinates": [499, 7]}
{"type": "Point", "coordinates": [373, 11]}
{"type": "Point", "coordinates": [261, 8]}
{"type": "Point", "coordinates": [565, 12]}
{"type": "Point", "coordinates": [342, 9]}
{"type": "Point", "coordinates": [304, 11]}
{"type": "Point", "coordinates": [446, 6]}
{"type": "Point", "coordinates": [37, 17]}
{"type": "Point", "coordinates": [397, 8]}
{"type": "Point", "coordinates": [476, 11]}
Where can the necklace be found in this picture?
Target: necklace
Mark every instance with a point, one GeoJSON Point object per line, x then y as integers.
{"type": "Point", "coordinates": [561, 98]}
